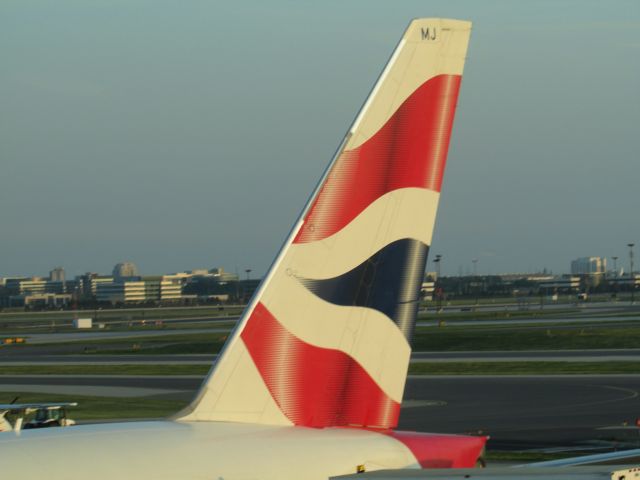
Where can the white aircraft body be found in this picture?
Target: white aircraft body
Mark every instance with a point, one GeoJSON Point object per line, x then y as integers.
{"type": "Point", "coordinates": [310, 383]}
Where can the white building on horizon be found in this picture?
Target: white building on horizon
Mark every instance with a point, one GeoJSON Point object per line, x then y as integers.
{"type": "Point", "coordinates": [125, 270]}
{"type": "Point", "coordinates": [589, 266]}
{"type": "Point", "coordinates": [57, 275]}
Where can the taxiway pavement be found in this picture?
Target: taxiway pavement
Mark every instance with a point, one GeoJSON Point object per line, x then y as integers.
{"type": "Point", "coordinates": [24, 357]}
{"type": "Point", "coordinates": [519, 412]}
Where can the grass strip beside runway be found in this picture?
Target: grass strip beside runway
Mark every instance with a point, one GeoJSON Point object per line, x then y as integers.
{"type": "Point", "coordinates": [533, 313]}
{"type": "Point", "coordinates": [426, 339]}
{"type": "Point", "coordinates": [103, 408]}
{"type": "Point", "coordinates": [417, 368]}
{"type": "Point", "coordinates": [524, 368]}
{"type": "Point", "coordinates": [123, 369]}
{"type": "Point", "coordinates": [520, 338]}
{"type": "Point", "coordinates": [528, 456]}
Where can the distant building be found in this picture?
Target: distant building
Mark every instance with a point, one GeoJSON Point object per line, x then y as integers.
{"type": "Point", "coordinates": [589, 266]}
{"type": "Point", "coordinates": [41, 300]}
{"type": "Point", "coordinates": [427, 289]}
{"type": "Point", "coordinates": [34, 286]}
{"type": "Point", "coordinates": [223, 276]}
{"type": "Point", "coordinates": [182, 277]}
{"type": "Point", "coordinates": [564, 284]}
{"type": "Point", "coordinates": [156, 289]}
{"type": "Point", "coordinates": [121, 292]}
{"type": "Point", "coordinates": [170, 290]}
{"type": "Point", "coordinates": [4, 280]}
{"type": "Point", "coordinates": [57, 274]}
{"type": "Point", "coordinates": [218, 285]}
{"type": "Point", "coordinates": [246, 288]}
{"type": "Point", "coordinates": [88, 283]}
{"type": "Point", "coordinates": [198, 272]}
{"type": "Point", "coordinates": [163, 288]}
{"type": "Point", "coordinates": [626, 282]}
{"type": "Point", "coordinates": [96, 281]}
{"type": "Point", "coordinates": [124, 271]}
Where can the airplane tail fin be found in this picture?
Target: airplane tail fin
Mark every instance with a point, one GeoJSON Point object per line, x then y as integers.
{"type": "Point", "coordinates": [325, 340]}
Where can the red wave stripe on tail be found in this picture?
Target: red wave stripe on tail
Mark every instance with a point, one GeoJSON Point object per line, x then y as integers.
{"type": "Point", "coordinates": [314, 386]}
{"type": "Point", "coordinates": [410, 150]}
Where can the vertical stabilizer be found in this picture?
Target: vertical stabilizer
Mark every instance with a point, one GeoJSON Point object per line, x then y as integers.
{"type": "Point", "coordinates": [325, 340]}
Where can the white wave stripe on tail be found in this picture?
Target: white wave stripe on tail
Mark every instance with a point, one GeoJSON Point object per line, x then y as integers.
{"type": "Point", "coordinates": [381, 223]}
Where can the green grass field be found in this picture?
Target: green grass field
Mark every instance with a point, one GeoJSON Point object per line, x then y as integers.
{"type": "Point", "coordinates": [121, 317]}
{"type": "Point", "coordinates": [533, 313]}
{"type": "Point", "coordinates": [416, 368]}
{"type": "Point", "coordinates": [524, 368]}
{"type": "Point", "coordinates": [207, 343]}
{"type": "Point", "coordinates": [451, 337]}
{"type": "Point", "coordinates": [519, 338]}
{"type": "Point", "coordinates": [527, 457]}
{"type": "Point", "coordinates": [184, 343]}
{"type": "Point", "coordinates": [102, 408]}
{"type": "Point", "coordinates": [122, 369]}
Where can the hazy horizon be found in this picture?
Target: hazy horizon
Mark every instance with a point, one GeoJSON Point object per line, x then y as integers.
{"type": "Point", "coordinates": [182, 136]}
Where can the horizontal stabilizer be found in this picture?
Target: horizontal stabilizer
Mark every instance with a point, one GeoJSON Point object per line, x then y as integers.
{"type": "Point", "coordinates": [501, 473]}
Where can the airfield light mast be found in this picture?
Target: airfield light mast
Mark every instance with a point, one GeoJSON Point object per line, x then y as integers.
{"type": "Point", "coordinates": [437, 262]}
{"type": "Point", "coordinates": [631, 275]}
{"type": "Point", "coordinates": [437, 285]}
{"type": "Point", "coordinates": [475, 277]}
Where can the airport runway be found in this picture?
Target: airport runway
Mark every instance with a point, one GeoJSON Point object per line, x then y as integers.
{"type": "Point", "coordinates": [24, 357]}
{"type": "Point", "coordinates": [525, 412]}
{"type": "Point", "coordinates": [519, 412]}
{"type": "Point", "coordinates": [173, 386]}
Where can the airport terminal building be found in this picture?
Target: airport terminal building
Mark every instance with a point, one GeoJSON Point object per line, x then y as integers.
{"type": "Point", "coordinates": [157, 289]}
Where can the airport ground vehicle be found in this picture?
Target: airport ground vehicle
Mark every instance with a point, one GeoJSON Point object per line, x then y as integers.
{"type": "Point", "coordinates": [46, 415]}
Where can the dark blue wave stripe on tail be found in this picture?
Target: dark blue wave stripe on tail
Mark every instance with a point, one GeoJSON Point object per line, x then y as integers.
{"type": "Point", "coordinates": [389, 281]}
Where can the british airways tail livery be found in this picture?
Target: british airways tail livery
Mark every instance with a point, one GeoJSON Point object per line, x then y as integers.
{"type": "Point", "coordinates": [325, 341]}
{"type": "Point", "coordinates": [310, 384]}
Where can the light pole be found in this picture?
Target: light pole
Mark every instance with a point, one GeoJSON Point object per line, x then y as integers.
{"type": "Point", "coordinates": [245, 288]}
{"type": "Point", "coordinates": [475, 277]}
{"type": "Point", "coordinates": [436, 285]}
{"type": "Point", "coordinates": [615, 277]}
{"type": "Point", "coordinates": [631, 276]}
{"type": "Point", "coordinates": [437, 262]}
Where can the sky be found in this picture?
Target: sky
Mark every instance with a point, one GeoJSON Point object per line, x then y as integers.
{"type": "Point", "coordinates": [182, 135]}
